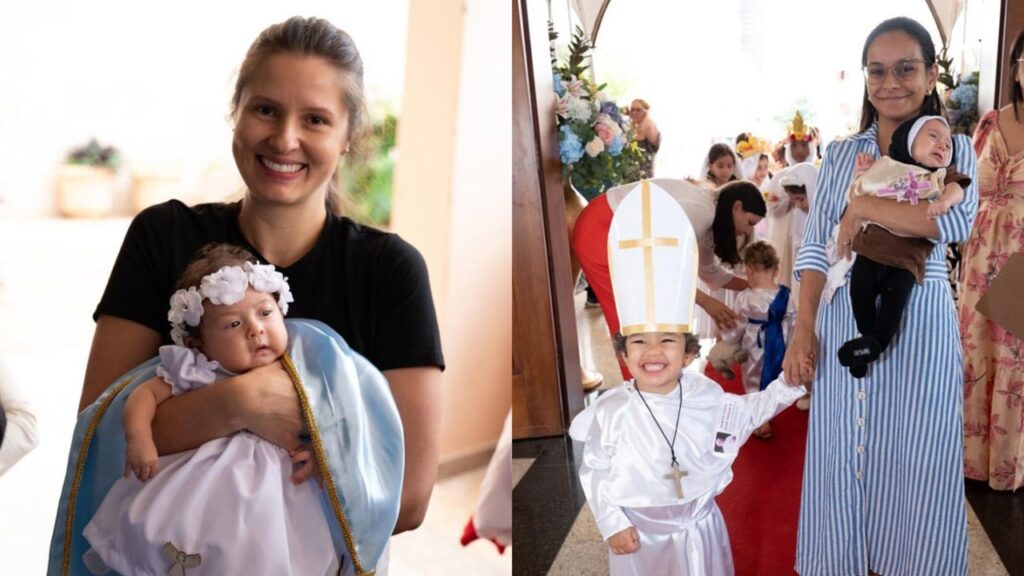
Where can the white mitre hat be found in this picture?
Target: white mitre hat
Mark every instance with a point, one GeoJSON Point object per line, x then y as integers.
{"type": "Point", "coordinates": [652, 253]}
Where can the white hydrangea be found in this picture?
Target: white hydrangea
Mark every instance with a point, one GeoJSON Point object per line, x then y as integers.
{"type": "Point", "coordinates": [579, 109]}
{"type": "Point", "coordinates": [594, 147]}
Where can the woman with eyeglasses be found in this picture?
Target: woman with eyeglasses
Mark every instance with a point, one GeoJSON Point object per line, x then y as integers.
{"type": "Point", "coordinates": [883, 489]}
{"type": "Point", "coordinates": [991, 451]}
{"type": "Point", "coordinates": [645, 133]}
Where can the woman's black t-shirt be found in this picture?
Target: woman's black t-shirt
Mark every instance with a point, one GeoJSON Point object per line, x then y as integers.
{"type": "Point", "coordinates": [370, 286]}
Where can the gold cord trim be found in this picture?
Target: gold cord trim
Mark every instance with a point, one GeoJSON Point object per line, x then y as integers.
{"type": "Point", "coordinates": [83, 453]}
{"type": "Point", "coordinates": [321, 460]}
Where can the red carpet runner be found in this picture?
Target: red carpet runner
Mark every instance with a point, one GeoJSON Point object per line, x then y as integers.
{"type": "Point", "coordinates": [762, 503]}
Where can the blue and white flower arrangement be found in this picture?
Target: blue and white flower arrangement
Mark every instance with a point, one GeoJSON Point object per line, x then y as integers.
{"type": "Point", "coordinates": [594, 138]}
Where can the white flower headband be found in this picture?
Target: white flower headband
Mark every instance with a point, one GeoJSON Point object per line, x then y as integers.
{"type": "Point", "coordinates": [226, 286]}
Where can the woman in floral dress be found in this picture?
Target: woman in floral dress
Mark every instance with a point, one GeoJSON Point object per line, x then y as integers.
{"type": "Point", "coordinates": [994, 358]}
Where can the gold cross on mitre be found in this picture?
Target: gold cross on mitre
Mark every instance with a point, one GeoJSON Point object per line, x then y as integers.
{"type": "Point", "coordinates": [676, 474]}
{"type": "Point", "coordinates": [654, 289]}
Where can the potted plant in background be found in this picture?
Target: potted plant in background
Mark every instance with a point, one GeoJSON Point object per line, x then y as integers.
{"type": "Point", "coordinates": [86, 180]}
{"type": "Point", "coordinates": [153, 185]}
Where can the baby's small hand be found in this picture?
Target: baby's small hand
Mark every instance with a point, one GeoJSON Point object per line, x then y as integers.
{"type": "Point", "coordinates": [307, 467]}
{"type": "Point", "coordinates": [863, 161]}
{"type": "Point", "coordinates": [142, 459]}
{"type": "Point", "coordinates": [936, 209]}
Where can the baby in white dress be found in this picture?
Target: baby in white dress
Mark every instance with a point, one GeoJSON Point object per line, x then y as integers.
{"type": "Point", "coordinates": [235, 504]}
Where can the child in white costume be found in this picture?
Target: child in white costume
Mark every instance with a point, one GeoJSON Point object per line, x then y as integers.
{"type": "Point", "coordinates": [660, 448]}
{"type": "Point", "coordinates": [235, 504]}
{"type": "Point", "coordinates": [766, 311]}
{"type": "Point", "coordinates": [789, 196]}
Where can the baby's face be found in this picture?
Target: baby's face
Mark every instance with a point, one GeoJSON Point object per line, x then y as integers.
{"type": "Point", "coordinates": [245, 335]}
{"type": "Point", "coordinates": [933, 146]}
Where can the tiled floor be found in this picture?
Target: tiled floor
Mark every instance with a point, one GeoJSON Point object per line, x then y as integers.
{"type": "Point", "coordinates": [555, 530]}
{"type": "Point", "coordinates": [52, 273]}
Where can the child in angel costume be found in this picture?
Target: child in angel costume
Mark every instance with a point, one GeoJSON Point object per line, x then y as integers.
{"type": "Point", "coordinates": [754, 160]}
{"type": "Point", "coordinates": [239, 504]}
{"type": "Point", "coordinates": [886, 265]}
{"type": "Point", "coordinates": [654, 501]}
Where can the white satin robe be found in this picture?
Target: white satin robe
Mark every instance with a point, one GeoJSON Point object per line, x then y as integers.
{"type": "Point", "coordinates": [625, 459]}
{"type": "Point", "coordinates": [753, 303]}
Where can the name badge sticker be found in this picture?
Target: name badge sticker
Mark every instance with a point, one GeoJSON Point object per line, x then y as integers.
{"type": "Point", "coordinates": [727, 427]}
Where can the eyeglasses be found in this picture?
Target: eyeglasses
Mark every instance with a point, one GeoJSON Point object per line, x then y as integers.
{"type": "Point", "coordinates": [903, 70]}
{"type": "Point", "coordinates": [635, 110]}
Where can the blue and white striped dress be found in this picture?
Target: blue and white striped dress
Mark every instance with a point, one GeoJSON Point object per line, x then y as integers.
{"type": "Point", "coordinates": [883, 477]}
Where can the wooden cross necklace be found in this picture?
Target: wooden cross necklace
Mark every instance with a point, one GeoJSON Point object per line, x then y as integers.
{"type": "Point", "coordinates": [674, 474]}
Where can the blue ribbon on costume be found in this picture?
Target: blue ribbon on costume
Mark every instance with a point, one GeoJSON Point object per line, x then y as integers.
{"type": "Point", "coordinates": [774, 342]}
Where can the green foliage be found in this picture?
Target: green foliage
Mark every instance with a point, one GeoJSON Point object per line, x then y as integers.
{"type": "Point", "coordinates": [945, 76]}
{"type": "Point", "coordinates": [367, 177]}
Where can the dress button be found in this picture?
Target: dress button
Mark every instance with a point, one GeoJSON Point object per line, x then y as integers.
{"type": "Point", "coordinates": [862, 395]}
{"type": "Point", "coordinates": [860, 475]}
{"type": "Point", "coordinates": [860, 422]}
{"type": "Point", "coordinates": [860, 449]}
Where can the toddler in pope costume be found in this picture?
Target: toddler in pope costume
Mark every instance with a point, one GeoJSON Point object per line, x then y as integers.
{"type": "Point", "coordinates": [239, 504]}
{"type": "Point", "coordinates": [658, 449]}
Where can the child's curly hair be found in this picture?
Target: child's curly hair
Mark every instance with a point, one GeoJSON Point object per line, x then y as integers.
{"type": "Point", "coordinates": [760, 254]}
{"type": "Point", "coordinates": [692, 343]}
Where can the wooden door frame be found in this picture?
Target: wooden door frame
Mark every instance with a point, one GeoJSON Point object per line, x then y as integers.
{"type": "Point", "coordinates": [546, 385]}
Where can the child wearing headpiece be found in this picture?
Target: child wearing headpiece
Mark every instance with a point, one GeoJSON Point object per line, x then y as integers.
{"type": "Point", "coordinates": [754, 160]}
{"type": "Point", "coordinates": [800, 144]}
{"type": "Point", "coordinates": [721, 165]}
{"type": "Point", "coordinates": [886, 265]}
{"type": "Point", "coordinates": [658, 449]}
{"type": "Point", "coordinates": [235, 505]}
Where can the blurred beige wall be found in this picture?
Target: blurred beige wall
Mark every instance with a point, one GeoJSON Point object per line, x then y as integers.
{"type": "Point", "coordinates": [452, 199]}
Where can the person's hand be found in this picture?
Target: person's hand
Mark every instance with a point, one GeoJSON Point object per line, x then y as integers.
{"type": "Point", "coordinates": [801, 358]}
{"type": "Point", "coordinates": [863, 161]}
{"type": "Point", "coordinates": [270, 406]}
{"type": "Point", "coordinates": [624, 541]}
{"type": "Point", "coordinates": [723, 316]}
{"type": "Point", "coordinates": [141, 458]}
{"type": "Point", "coordinates": [938, 208]}
{"type": "Point", "coordinates": [307, 467]}
{"type": "Point", "coordinates": [850, 225]}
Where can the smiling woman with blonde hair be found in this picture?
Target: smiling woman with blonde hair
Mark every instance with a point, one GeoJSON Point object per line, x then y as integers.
{"type": "Point", "coordinates": [645, 133]}
{"type": "Point", "coordinates": [297, 109]}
